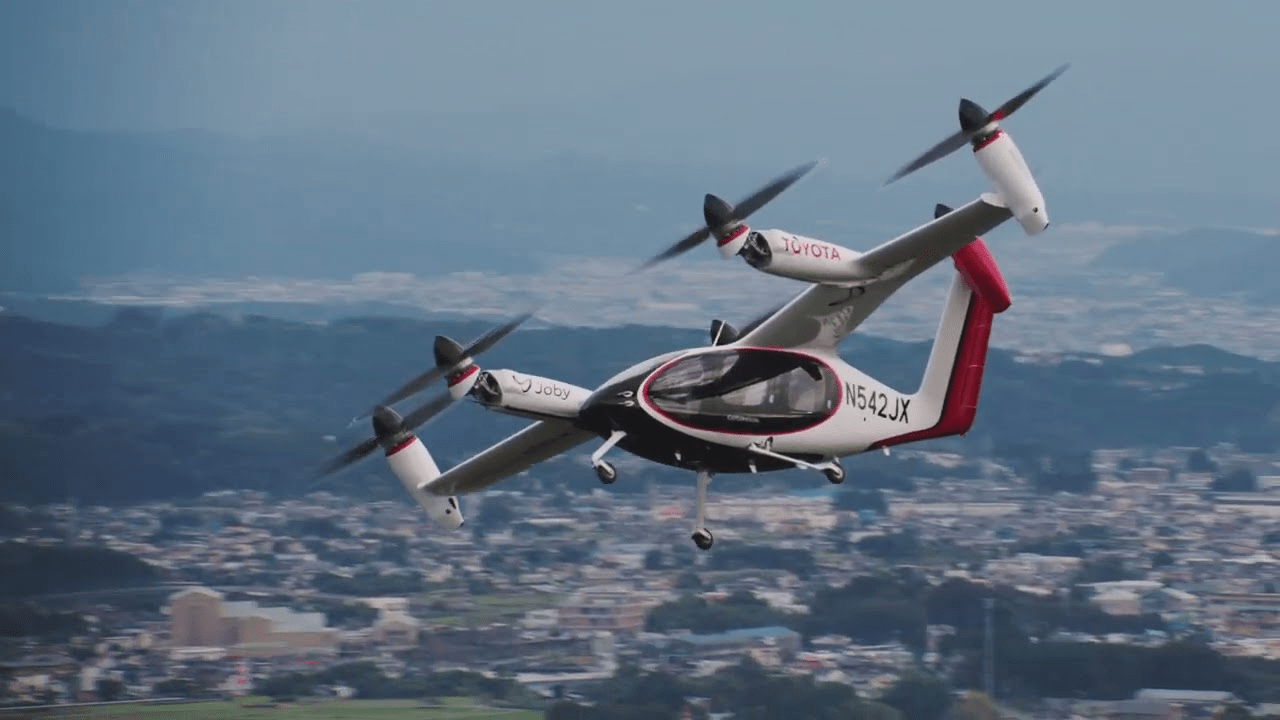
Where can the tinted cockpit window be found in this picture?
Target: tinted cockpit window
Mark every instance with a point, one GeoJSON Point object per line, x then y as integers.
{"type": "Point", "coordinates": [748, 390]}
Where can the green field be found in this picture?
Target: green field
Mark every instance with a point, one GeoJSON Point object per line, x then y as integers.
{"type": "Point", "coordinates": [259, 709]}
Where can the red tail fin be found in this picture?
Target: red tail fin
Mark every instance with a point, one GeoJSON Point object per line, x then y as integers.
{"type": "Point", "coordinates": [988, 295]}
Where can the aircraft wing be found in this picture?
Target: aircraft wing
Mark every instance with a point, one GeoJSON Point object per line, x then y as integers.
{"type": "Point", "coordinates": [540, 441]}
{"type": "Point", "coordinates": [823, 315]}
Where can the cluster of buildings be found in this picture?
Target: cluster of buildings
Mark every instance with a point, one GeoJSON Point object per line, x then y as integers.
{"type": "Point", "coordinates": [559, 596]}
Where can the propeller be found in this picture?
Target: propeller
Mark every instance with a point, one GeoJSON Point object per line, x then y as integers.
{"type": "Point", "coordinates": [973, 120]}
{"type": "Point", "coordinates": [448, 354]}
{"type": "Point", "coordinates": [720, 215]}
{"type": "Point", "coordinates": [389, 430]}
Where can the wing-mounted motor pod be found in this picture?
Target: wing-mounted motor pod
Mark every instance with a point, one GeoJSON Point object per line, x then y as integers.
{"type": "Point", "coordinates": [801, 258]}
{"type": "Point", "coordinates": [413, 466]}
{"type": "Point", "coordinates": [727, 223]}
{"type": "Point", "coordinates": [406, 455]}
{"type": "Point", "coordinates": [1000, 159]}
{"type": "Point", "coordinates": [529, 394]}
{"type": "Point", "coordinates": [408, 458]}
{"type": "Point", "coordinates": [454, 363]}
{"type": "Point", "coordinates": [1002, 162]}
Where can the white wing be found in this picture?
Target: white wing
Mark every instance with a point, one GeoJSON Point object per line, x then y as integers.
{"type": "Point", "coordinates": [823, 315]}
{"type": "Point", "coordinates": [540, 441]}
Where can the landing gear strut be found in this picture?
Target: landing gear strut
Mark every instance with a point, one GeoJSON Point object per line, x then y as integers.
{"type": "Point", "coordinates": [831, 469]}
{"type": "Point", "coordinates": [604, 469]}
{"type": "Point", "coordinates": [701, 535]}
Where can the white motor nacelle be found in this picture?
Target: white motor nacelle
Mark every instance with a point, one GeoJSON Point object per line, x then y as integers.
{"type": "Point", "coordinates": [997, 155]}
{"type": "Point", "coordinates": [463, 379]}
{"type": "Point", "coordinates": [415, 467]}
{"type": "Point", "coordinates": [529, 394]}
{"type": "Point", "coordinates": [801, 258]}
{"type": "Point", "coordinates": [1003, 164]}
{"type": "Point", "coordinates": [730, 241]}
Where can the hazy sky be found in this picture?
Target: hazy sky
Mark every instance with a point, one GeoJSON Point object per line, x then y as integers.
{"type": "Point", "coordinates": [1167, 93]}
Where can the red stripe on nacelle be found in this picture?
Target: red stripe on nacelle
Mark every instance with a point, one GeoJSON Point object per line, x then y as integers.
{"type": "Point", "coordinates": [988, 140]}
{"type": "Point", "coordinates": [464, 375]}
{"type": "Point", "coordinates": [731, 236]}
{"type": "Point", "coordinates": [980, 273]}
{"type": "Point", "coordinates": [960, 405]}
{"type": "Point", "coordinates": [402, 445]}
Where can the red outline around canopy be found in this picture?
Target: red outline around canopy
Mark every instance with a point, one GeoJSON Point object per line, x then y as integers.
{"type": "Point", "coordinates": [650, 406]}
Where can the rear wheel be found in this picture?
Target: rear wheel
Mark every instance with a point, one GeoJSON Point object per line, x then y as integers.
{"type": "Point", "coordinates": [606, 473]}
{"type": "Point", "coordinates": [834, 474]}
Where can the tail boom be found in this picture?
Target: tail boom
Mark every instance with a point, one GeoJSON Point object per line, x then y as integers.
{"type": "Point", "coordinates": [953, 377]}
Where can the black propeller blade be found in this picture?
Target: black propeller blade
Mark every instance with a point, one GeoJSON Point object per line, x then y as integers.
{"type": "Point", "coordinates": [355, 454]}
{"type": "Point", "coordinates": [388, 428]}
{"type": "Point", "coordinates": [972, 119]}
{"type": "Point", "coordinates": [718, 213]}
{"type": "Point", "coordinates": [1017, 101]}
{"type": "Point", "coordinates": [937, 152]}
{"type": "Point", "coordinates": [427, 411]}
{"type": "Point", "coordinates": [448, 353]}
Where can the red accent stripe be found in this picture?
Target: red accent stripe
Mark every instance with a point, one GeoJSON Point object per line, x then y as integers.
{"type": "Point", "coordinates": [980, 273]}
{"type": "Point", "coordinates": [403, 444]}
{"type": "Point", "coordinates": [464, 375]}
{"type": "Point", "coordinates": [989, 139]}
{"type": "Point", "coordinates": [732, 236]}
{"type": "Point", "coordinates": [960, 405]}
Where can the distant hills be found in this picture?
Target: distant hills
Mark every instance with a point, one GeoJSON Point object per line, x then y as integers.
{"type": "Point", "coordinates": [147, 406]}
{"type": "Point", "coordinates": [79, 204]}
{"type": "Point", "coordinates": [92, 204]}
{"type": "Point", "coordinates": [1206, 261]}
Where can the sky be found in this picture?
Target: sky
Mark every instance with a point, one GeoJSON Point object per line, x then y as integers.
{"type": "Point", "coordinates": [1167, 94]}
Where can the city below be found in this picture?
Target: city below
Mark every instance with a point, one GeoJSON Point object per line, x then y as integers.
{"type": "Point", "coordinates": [556, 592]}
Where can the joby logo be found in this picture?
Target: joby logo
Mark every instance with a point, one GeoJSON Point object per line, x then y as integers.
{"type": "Point", "coordinates": [523, 383]}
{"type": "Point", "coordinates": [553, 390]}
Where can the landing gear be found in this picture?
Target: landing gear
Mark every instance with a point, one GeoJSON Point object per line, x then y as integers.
{"type": "Point", "coordinates": [834, 473]}
{"type": "Point", "coordinates": [604, 469]}
{"type": "Point", "coordinates": [606, 473]}
{"type": "Point", "coordinates": [831, 469]}
{"type": "Point", "coordinates": [701, 535]}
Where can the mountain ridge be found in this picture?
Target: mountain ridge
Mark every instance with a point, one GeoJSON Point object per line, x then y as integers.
{"type": "Point", "coordinates": [92, 204]}
{"type": "Point", "coordinates": [146, 406]}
